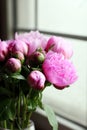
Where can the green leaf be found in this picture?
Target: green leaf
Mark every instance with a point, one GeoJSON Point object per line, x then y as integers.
{"type": "Point", "coordinates": [18, 76]}
{"type": "Point", "coordinates": [51, 116]}
{"type": "Point", "coordinates": [7, 109]}
{"type": "Point", "coordinates": [11, 110]}
{"type": "Point", "coordinates": [32, 106]}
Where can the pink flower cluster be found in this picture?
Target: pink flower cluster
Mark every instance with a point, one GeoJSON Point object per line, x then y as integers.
{"type": "Point", "coordinates": [48, 60]}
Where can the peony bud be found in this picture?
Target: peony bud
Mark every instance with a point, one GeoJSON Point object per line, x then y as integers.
{"type": "Point", "coordinates": [13, 65]}
{"type": "Point", "coordinates": [36, 80]}
{"type": "Point", "coordinates": [19, 55]}
{"type": "Point", "coordinates": [18, 45]}
{"type": "Point", "coordinates": [3, 50]}
{"type": "Point", "coordinates": [40, 57]}
{"type": "Point", "coordinates": [36, 58]}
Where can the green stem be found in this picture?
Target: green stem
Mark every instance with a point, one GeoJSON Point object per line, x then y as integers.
{"type": "Point", "coordinates": [24, 110]}
{"type": "Point", "coordinates": [28, 118]}
{"type": "Point", "coordinates": [12, 126]}
{"type": "Point", "coordinates": [24, 105]}
{"type": "Point", "coordinates": [29, 115]}
{"type": "Point", "coordinates": [30, 92]}
{"type": "Point", "coordinates": [19, 109]}
{"type": "Point", "coordinates": [5, 124]}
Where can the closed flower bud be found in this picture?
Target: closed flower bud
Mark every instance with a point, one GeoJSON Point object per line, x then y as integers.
{"type": "Point", "coordinates": [36, 58]}
{"type": "Point", "coordinates": [19, 55]}
{"type": "Point", "coordinates": [36, 80]}
{"type": "Point", "coordinates": [40, 57]}
{"type": "Point", "coordinates": [13, 65]}
{"type": "Point", "coordinates": [18, 45]}
{"type": "Point", "coordinates": [3, 50]}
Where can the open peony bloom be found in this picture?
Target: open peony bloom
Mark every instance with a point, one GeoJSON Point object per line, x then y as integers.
{"type": "Point", "coordinates": [59, 45]}
{"type": "Point", "coordinates": [59, 71]}
{"type": "Point", "coordinates": [13, 65]}
{"type": "Point", "coordinates": [34, 39]}
{"type": "Point", "coordinates": [3, 50]}
{"type": "Point", "coordinates": [36, 79]}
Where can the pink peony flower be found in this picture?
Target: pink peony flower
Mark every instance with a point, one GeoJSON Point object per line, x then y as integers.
{"type": "Point", "coordinates": [34, 39]}
{"type": "Point", "coordinates": [3, 50]}
{"type": "Point", "coordinates": [13, 65]}
{"type": "Point", "coordinates": [36, 79]}
{"type": "Point", "coordinates": [58, 44]}
{"type": "Point", "coordinates": [18, 45]}
{"type": "Point", "coordinates": [59, 71]}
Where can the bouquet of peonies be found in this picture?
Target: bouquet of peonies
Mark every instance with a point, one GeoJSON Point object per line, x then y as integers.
{"type": "Point", "coordinates": [28, 64]}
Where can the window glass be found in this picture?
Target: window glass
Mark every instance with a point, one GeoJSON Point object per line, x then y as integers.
{"type": "Point", "coordinates": [64, 16]}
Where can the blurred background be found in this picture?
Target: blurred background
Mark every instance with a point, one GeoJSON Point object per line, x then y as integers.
{"type": "Point", "coordinates": [66, 18]}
